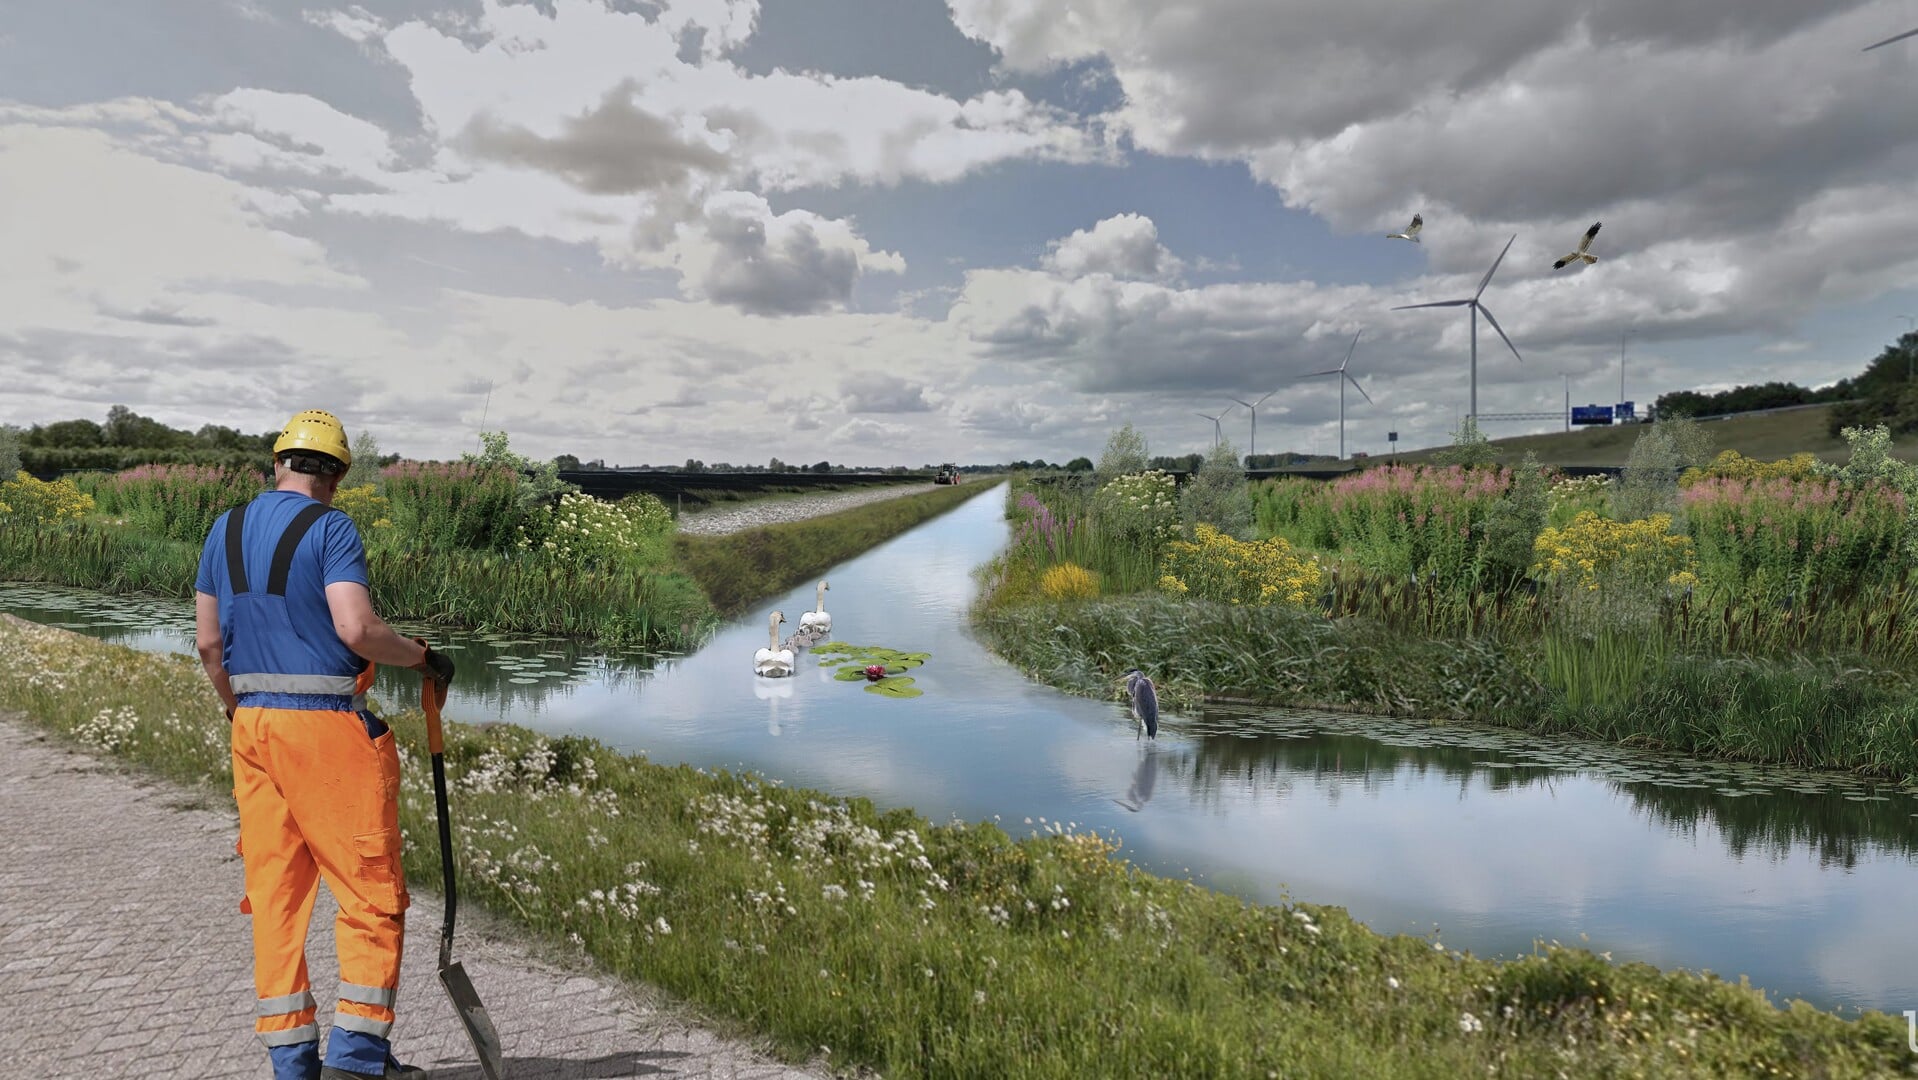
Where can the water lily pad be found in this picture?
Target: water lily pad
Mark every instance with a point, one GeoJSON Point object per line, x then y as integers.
{"type": "Point", "coordinates": [850, 674]}
{"type": "Point", "coordinates": [522, 680]}
{"type": "Point", "coordinates": [896, 686]}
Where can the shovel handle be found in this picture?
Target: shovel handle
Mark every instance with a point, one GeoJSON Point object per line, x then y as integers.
{"type": "Point", "coordinates": [432, 696]}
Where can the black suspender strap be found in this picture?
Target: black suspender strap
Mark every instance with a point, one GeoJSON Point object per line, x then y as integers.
{"type": "Point", "coordinates": [289, 541]}
{"type": "Point", "coordinates": [235, 557]}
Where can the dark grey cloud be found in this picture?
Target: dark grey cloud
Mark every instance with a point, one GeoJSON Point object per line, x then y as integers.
{"type": "Point", "coordinates": [794, 274]}
{"type": "Point", "coordinates": [882, 394]}
{"type": "Point", "coordinates": [618, 148]}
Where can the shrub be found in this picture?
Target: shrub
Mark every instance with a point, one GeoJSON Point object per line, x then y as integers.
{"type": "Point", "coordinates": [1139, 510]}
{"type": "Point", "coordinates": [1214, 566]}
{"type": "Point", "coordinates": [1513, 523]}
{"type": "Point", "coordinates": [1592, 547]}
{"type": "Point", "coordinates": [539, 484]}
{"type": "Point", "coordinates": [1649, 483]}
{"type": "Point", "coordinates": [42, 502]}
{"type": "Point", "coordinates": [1125, 455]}
{"type": "Point", "coordinates": [365, 470]}
{"type": "Point", "coordinates": [1217, 495]}
{"type": "Point", "coordinates": [1470, 448]}
{"type": "Point", "coordinates": [9, 450]}
{"type": "Point", "coordinates": [583, 532]}
{"type": "Point", "coordinates": [1069, 581]}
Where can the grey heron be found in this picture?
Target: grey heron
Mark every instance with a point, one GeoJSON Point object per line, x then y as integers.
{"type": "Point", "coordinates": [1145, 701]}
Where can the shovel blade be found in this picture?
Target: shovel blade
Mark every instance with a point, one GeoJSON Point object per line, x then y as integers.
{"type": "Point", "coordinates": [472, 1014]}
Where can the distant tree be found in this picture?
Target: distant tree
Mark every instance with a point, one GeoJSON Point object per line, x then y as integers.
{"type": "Point", "coordinates": [1882, 389]}
{"type": "Point", "coordinates": [366, 461]}
{"type": "Point", "coordinates": [822, 467]}
{"type": "Point", "coordinates": [1125, 453]}
{"type": "Point", "coordinates": [775, 465]}
{"type": "Point", "coordinates": [219, 437]}
{"type": "Point", "coordinates": [124, 427]}
{"type": "Point", "coordinates": [694, 465]}
{"type": "Point", "coordinates": [566, 462]}
{"type": "Point", "coordinates": [1079, 464]}
{"type": "Point", "coordinates": [10, 438]}
{"type": "Point", "coordinates": [65, 434]}
{"type": "Point", "coordinates": [1217, 495]}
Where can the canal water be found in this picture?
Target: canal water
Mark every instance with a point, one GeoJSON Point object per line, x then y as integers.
{"type": "Point", "coordinates": [1480, 839]}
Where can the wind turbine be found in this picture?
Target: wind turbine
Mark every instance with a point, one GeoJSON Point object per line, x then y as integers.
{"type": "Point", "coordinates": [1344, 377]}
{"type": "Point", "coordinates": [1889, 40]}
{"type": "Point", "coordinates": [1477, 308]}
{"type": "Point", "coordinates": [1218, 433]}
{"type": "Point", "coordinates": [1254, 407]}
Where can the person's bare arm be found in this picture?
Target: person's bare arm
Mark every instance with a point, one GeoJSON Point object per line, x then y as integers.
{"type": "Point", "coordinates": [206, 639]}
{"type": "Point", "coordinates": [365, 632]}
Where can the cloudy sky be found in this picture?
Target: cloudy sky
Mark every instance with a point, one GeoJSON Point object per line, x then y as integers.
{"type": "Point", "coordinates": [881, 231]}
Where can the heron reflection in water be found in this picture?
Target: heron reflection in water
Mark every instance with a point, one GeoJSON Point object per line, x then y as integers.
{"type": "Point", "coordinates": [1143, 778]}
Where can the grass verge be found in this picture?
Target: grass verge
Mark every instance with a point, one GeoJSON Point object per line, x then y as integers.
{"type": "Point", "coordinates": [1806, 713]}
{"type": "Point", "coordinates": [955, 950]}
{"type": "Point", "coordinates": [739, 568]}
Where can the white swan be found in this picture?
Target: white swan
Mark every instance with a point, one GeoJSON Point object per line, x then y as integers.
{"type": "Point", "coordinates": [1581, 255]}
{"type": "Point", "coordinates": [817, 620]}
{"type": "Point", "coordinates": [772, 661]}
{"type": "Point", "coordinates": [1412, 232]}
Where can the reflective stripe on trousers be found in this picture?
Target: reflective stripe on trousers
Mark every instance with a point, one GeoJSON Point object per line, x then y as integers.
{"type": "Point", "coordinates": [318, 798]}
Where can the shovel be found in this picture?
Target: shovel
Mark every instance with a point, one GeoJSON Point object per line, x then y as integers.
{"type": "Point", "coordinates": [459, 987]}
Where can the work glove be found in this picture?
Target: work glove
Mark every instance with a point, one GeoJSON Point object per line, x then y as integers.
{"type": "Point", "coordinates": [438, 665]}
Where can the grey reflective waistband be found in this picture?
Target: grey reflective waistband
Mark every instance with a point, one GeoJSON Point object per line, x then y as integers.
{"type": "Point", "coordinates": [264, 682]}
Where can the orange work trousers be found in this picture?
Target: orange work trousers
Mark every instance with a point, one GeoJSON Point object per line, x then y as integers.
{"type": "Point", "coordinates": [319, 798]}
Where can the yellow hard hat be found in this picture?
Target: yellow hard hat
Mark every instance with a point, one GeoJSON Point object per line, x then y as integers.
{"type": "Point", "coordinates": [315, 431]}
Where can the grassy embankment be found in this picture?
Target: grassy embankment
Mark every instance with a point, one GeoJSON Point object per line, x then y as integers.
{"type": "Point", "coordinates": [443, 549]}
{"type": "Point", "coordinates": [924, 950]}
{"type": "Point", "coordinates": [739, 568]}
{"type": "Point", "coordinates": [1768, 437]}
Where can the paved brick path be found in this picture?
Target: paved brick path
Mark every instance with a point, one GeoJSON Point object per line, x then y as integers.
{"type": "Point", "coordinates": [123, 952]}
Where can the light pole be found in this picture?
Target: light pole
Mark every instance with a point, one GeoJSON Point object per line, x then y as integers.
{"type": "Point", "coordinates": [1568, 399]}
{"type": "Point", "coordinates": [1621, 363]}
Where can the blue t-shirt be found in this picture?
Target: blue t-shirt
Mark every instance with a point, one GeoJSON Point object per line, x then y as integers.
{"type": "Point", "coordinates": [330, 552]}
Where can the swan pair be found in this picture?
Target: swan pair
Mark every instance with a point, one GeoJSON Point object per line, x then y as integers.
{"type": "Point", "coordinates": [775, 661]}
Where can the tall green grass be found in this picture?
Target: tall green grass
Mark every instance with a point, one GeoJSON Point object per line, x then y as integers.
{"type": "Point", "coordinates": [883, 942]}
{"type": "Point", "coordinates": [453, 507]}
{"type": "Point", "coordinates": [1812, 713]}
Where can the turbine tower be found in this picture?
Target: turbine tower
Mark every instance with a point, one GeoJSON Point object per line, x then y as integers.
{"type": "Point", "coordinates": [1344, 377]}
{"type": "Point", "coordinates": [1254, 407]}
{"type": "Point", "coordinates": [1477, 308]}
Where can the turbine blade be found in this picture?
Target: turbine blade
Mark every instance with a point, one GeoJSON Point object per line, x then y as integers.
{"type": "Point", "coordinates": [1488, 274]}
{"type": "Point", "coordinates": [1327, 371]}
{"type": "Point", "coordinates": [1261, 401]}
{"type": "Point", "coordinates": [1501, 331]}
{"type": "Point", "coordinates": [1361, 390]}
{"type": "Point", "coordinates": [1890, 40]}
{"type": "Point", "coordinates": [1349, 348]}
{"type": "Point", "coordinates": [1436, 303]}
{"type": "Point", "coordinates": [1247, 404]}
